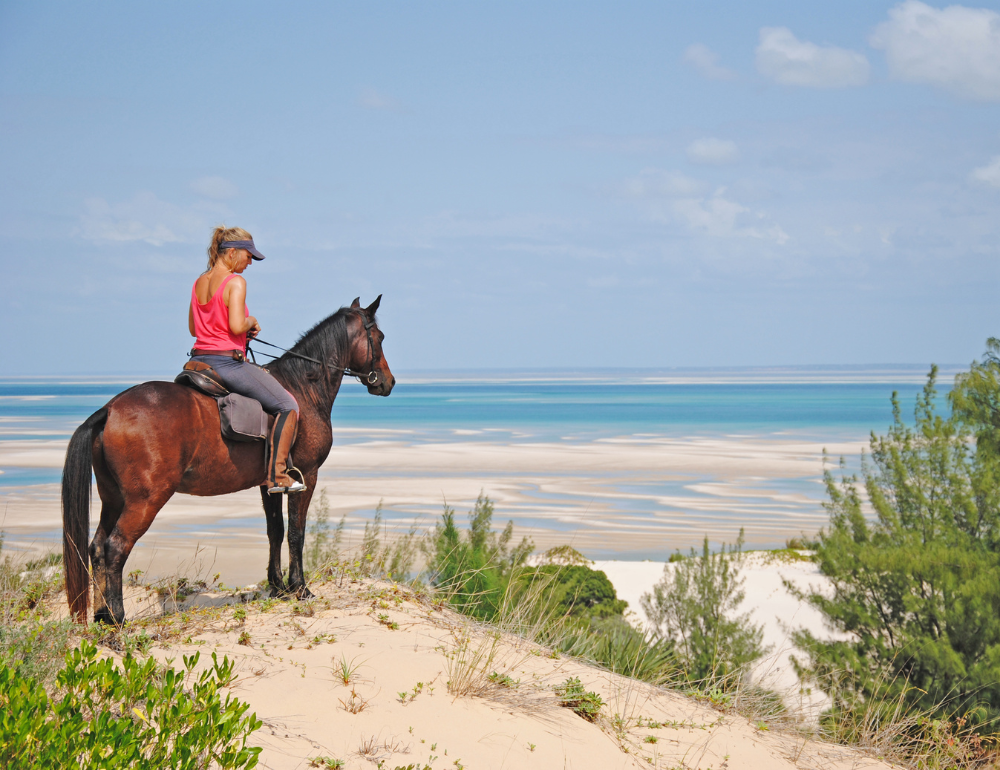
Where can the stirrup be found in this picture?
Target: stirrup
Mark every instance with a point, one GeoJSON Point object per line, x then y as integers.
{"type": "Point", "coordinates": [295, 486]}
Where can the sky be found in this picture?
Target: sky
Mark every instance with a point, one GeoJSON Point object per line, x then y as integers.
{"type": "Point", "coordinates": [529, 185]}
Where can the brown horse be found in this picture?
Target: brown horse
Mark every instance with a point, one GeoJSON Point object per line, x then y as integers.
{"type": "Point", "coordinates": [159, 438]}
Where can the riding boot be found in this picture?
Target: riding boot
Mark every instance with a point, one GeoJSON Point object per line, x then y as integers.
{"type": "Point", "coordinates": [280, 443]}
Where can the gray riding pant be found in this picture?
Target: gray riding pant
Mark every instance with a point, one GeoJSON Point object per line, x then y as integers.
{"type": "Point", "coordinates": [253, 382]}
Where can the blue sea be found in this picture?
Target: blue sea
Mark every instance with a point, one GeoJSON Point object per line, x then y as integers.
{"type": "Point", "coordinates": [818, 403]}
{"type": "Point", "coordinates": [683, 454]}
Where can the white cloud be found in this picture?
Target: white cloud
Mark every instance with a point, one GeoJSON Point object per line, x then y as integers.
{"type": "Point", "coordinates": [715, 152]}
{"type": "Point", "coordinates": [794, 62]}
{"type": "Point", "coordinates": [216, 187]}
{"type": "Point", "coordinates": [145, 218]}
{"type": "Point", "coordinates": [720, 217]}
{"type": "Point", "coordinates": [955, 48]}
{"type": "Point", "coordinates": [654, 183]}
{"type": "Point", "coordinates": [371, 99]}
{"type": "Point", "coordinates": [704, 59]}
{"type": "Point", "coordinates": [988, 174]}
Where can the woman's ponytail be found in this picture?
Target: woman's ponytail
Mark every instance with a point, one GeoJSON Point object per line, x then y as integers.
{"type": "Point", "coordinates": [219, 236]}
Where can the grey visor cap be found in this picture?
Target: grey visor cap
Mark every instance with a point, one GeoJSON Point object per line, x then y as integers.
{"type": "Point", "coordinates": [248, 245]}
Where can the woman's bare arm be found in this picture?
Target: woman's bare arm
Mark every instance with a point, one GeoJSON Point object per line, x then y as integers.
{"type": "Point", "coordinates": [239, 322]}
{"type": "Point", "coordinates": [191, 321]}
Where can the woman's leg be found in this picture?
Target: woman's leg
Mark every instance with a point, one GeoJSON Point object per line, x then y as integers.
{"type": "Point", "coordinates": [253, 382]}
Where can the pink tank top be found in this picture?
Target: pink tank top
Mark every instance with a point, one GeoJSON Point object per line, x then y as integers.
{"type": "Point", "coordinates": [211, 322]}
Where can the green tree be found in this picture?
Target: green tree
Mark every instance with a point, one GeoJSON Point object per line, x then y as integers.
{"type": "Point", "coordinates": [917, 586]}
{"type": "Point", "coordinates": [695, 604]}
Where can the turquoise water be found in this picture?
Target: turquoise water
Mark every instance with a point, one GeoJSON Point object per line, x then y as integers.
{"type": "Point", "coordinates": [829, 404]}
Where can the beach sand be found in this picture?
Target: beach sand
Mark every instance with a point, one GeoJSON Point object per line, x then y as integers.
{"type": "Point", "coordinates": [630, 498]}
{"type": "Point", "coordinates": [406, 651]}
{"type": "Point", "coordinates": [618, 500]}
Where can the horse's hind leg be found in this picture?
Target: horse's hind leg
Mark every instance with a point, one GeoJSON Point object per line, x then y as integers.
{"type": "Point", "coordinates": [112, 504]}
{"type": "Point", "coordinates": [133, 522]}
{"type": "Point", "coordinates": [275, 539]}
{"type": "Point", "coordinates": [110, 512]}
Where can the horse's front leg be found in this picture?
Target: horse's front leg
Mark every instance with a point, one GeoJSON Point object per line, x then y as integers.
{"type": "Point", "coordinates": [298, 509]}
{"type": "Point", "coordinates": [275, 539]}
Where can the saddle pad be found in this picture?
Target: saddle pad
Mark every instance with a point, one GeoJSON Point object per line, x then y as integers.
{"type": "Point", "coordinates": [243, 419]}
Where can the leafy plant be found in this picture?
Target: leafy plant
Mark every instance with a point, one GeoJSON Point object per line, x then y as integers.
{"type": "Point", "coordinates": [620, 648]}
{"type": "Point", "coordinates": [576, 590]}
{"type": "Point", "coordinates": [135, 716]}
{"type": "Point", "coordinates": [503, 680]}
{"type": "Point", "coordinates": [327, 763]}
{"type": "Point", "coordinates": [572, 695]}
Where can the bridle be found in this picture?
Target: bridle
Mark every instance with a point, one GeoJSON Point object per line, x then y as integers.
{"type": "Point", "coordinates": [370, 379]}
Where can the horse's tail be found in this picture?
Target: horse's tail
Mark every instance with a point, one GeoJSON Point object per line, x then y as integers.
{"type": "Point", "coordinates": [76, 514]}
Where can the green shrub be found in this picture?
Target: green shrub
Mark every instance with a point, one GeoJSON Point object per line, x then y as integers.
{"type": "Point", "coordinates": [575, 590]}
{"type": "Point", "coordinates": [474, 572]}
{"type": "Point", "coordinates": [137, 716]}
{"type": "Point", "coordinates": [33, 648]}
{"type": "Point", "coordinates": [571, 695]}
{"type": "Point", "coordinates": [694, 605]}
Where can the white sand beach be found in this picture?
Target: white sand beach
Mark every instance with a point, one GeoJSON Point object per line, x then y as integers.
{"type": "Point", "coordinates": [397, 707]}
{"type": "Point", "coordinates": [626, 499]}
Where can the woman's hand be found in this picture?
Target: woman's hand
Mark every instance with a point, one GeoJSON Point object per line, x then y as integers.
{"type": "Point", "coordinates": [254, 329]}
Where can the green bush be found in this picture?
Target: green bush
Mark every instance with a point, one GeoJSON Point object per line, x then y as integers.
{"type": "Point", "coordinates": [575, 591]}
{"type": "Point", "coordinates": [571, 695]}
{"type": "Point", "coordinates": [474, 572]}
{"type": "Point", "coordinates": [30, 644]}
{"type": "Point", "coordinates": [694, 606]}
{"type": "Point", "coordinates": [137, 716]}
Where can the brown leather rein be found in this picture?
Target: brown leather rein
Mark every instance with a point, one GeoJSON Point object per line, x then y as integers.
{"type": "Point", "coordinates": [371, 378]}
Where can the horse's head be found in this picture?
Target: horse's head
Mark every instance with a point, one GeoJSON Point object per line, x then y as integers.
{"type": "Point", "coordinates": [366, 356]}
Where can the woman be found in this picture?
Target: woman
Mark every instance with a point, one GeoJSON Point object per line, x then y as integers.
{"type": "Point", "coordinates": [221, 324]}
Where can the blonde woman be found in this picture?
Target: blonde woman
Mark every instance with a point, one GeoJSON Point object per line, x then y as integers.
{"type": "Point", "coordinates": [220, 322]}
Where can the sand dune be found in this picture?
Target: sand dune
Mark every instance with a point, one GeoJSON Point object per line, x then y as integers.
{"type": "Point", "coordinates": [406, 652]}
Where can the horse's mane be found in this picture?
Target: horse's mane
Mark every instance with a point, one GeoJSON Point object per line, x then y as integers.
{"type": "Point", "coordinates": [326, 341]}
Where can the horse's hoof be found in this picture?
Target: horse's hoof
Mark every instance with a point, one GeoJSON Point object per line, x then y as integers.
{"type": "Point", "coordinates": [304, 593]}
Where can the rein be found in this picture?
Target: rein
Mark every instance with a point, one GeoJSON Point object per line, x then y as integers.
{"type": "Point", "coordinates": [370, 378]}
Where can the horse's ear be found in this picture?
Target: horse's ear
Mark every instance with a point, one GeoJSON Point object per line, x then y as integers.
{"type": "Point", "coordinates": [356, 304]}
{"type": "Point", "coordinates": [373, 307]}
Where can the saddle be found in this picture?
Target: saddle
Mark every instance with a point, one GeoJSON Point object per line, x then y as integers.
{"type": "Point", "coordinates": [242, 418]}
